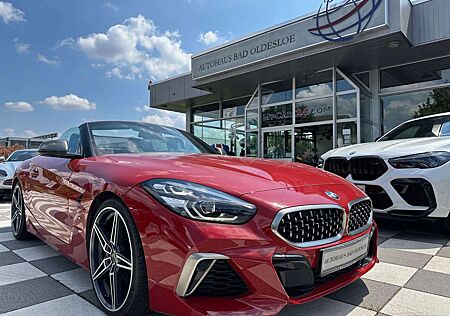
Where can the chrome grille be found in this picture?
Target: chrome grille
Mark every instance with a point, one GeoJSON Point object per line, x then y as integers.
{"type": "Point", "coordinates": [310, 225]}
{"type": "Point", "coordinates": [360, 216]}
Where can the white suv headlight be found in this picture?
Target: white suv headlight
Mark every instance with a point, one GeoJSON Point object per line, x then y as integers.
{"type": "Point", "coordinates": [428, 160]}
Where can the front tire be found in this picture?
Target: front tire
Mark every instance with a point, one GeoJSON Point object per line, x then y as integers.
{"type": "Point", "coordinates": [117, 262]}
{"type": "Point", "coordinates": [18, 218]}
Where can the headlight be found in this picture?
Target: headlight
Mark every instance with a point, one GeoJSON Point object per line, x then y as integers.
{"type": "Point", "coordinates": [321, 163]}
{"type": "Point", "coordinates": [421, 161]}
{"type": "Point", "coordinates": [199, 202]}
{"type": "Point", "coordinates": [3, 173]}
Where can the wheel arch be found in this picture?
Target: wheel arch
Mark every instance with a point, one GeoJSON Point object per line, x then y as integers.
{"type": "Point", "coordinates": [15, 181]}
{"type": "Point", "coordinates": [98, 200]}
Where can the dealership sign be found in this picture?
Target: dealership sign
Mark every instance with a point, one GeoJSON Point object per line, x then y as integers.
{"type": "Point", "coordinates": [333, 22]}
{"type": "Point", "coordinates": [349, 19]}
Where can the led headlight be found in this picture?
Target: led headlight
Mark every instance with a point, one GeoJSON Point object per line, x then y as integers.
{"type": "Point", "coordinates": [199, 202]}
{"type": "Point", "coordinates": [421, 161]}
{"type": "Point", "coordinates": [3, 173]}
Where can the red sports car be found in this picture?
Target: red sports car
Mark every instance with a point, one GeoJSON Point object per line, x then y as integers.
{"type": "Point", "coordinates": [163, 223]}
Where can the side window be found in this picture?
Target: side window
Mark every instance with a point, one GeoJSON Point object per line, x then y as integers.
{"type": "Point", "coordinates": [72, 136]}
{"type": "Point", "coordinates": [445, 131]}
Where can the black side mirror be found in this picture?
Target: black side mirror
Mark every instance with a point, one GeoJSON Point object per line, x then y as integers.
{"type": "Point", "coordinates": [56, 148]}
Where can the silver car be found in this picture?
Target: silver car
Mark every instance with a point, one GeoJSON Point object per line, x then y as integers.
{"type": "Point", "coordinates": [8, 168]}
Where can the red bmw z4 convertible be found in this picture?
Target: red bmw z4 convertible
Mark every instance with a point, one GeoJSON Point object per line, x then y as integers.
{"type": "Point", "coordinates": [163, 223]}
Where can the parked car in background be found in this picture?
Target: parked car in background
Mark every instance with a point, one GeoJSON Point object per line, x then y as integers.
{"type": "Point", "coordinates": [163, 222]}
{"type": "Point", "coordinates": [406, 172]}
{"type": "Point", "coordinates": [8, 167]}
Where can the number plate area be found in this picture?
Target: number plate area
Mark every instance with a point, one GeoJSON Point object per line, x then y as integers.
{"type": "Point", "coordinates": [342, 256]}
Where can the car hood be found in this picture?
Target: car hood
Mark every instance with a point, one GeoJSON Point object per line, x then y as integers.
{"type": "Point", "coordinates": [393, 148]}
{"type": "Point", "coordinates": [235, 175]}
{"type": "Point", "coordinates": [10, 167]}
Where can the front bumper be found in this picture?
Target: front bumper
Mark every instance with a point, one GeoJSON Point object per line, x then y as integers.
{"type": "Point", "coordinates": [392, 197]}
{"type": "Point", "coordinates": [182, 254]}
{"type": "Point", "coordinates": [5, 187]}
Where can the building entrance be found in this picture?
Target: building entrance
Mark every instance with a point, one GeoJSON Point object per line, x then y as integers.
{"type": "Point", "coordinates": [302, 118]}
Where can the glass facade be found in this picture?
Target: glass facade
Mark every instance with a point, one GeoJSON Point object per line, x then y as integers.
{"type": "Point", "coordinates": [222, 123]}
{"type": "Point", "coordinates": [414, 90]}
{"type": "Point", "coordinates": [301, 118]}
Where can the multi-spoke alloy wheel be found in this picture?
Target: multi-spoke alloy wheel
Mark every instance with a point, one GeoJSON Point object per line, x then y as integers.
{"type": "Point", "coordinates": [111, 258]}
{"type": "Point", "coordinates": [18, 214]}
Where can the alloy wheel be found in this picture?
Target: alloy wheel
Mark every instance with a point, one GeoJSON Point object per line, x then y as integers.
{"type": "Point", "coordinates": [111, 259]}
{"type": "Point", "coordinates": [16, 210]}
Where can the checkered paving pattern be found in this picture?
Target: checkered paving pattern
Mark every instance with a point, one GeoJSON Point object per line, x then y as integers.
{"type": "Point", "coordinates": [413, 278]}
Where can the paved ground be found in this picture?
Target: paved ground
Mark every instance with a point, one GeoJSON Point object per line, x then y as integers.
{"type": "Point", "coordinates": [413, 278]}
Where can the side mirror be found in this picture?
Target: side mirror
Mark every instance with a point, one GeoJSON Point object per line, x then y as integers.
{"type": "Point", "coordinates": [2, 159]}
{"type": "Point", "coordinates": [56, 148]}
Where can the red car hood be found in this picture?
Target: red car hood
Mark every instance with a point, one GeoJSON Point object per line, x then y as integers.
{"type": "Point", "coordinates": [235, 175]}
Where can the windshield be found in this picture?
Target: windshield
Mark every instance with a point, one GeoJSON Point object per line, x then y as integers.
{"type": "Point", "coordinates": [129, 137]}
{"type": "Point", "coordinates": [21, 155]}
{"type": "Point", "coordinates": [429, 127]}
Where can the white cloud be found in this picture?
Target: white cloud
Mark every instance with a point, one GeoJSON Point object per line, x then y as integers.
{"type": "Point", "coordinates": [163, 117]}
{"type": "Point", "coordinates": [209, 38]}
{"type": "Point", "coordinates": [70, 102]}
{"type": "Point", "coordinates": [117, 72]}
{"type": "Point", "coordinates": [46, 60]}
{"type": "Point", "coordinates": [8, 131]}
{"type": "Point", "coordinates": [314, 90]}
{"type": "Point", "coordinates": [136, 47]}
{"type": "Point", "coordinates": [19, 106]}
{"type": "Point", "coordinates": [111, 6]}
{"type": "Point", "coordinates": [21, 48]}
{"type": "Point", "coordinates": [29, 133]}
{"type": "Point", "coordinates": [69, 42]}
{"type": "Point", "coordinates": [144, 108]}
{"type": "Point", "coordinates": [8, 13]}
{"type": "Point", "coordinates": [97, 65]}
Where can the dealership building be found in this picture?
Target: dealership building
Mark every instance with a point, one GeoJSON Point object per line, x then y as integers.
{"type": "Point", "coordinates": [342, 75]}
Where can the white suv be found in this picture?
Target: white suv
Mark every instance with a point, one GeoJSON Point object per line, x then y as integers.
{"type": "Point", "coordinates": [406, 172]}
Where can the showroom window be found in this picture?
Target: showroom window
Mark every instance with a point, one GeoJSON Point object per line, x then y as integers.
{"type": "Point", "coordinates": [414, 90]}
{"type": "Point", "coordinates": [277, 115]}
{"type": "Point", "coordinates": [206, 112]}
{"type": "Point", "coordinates": [346, 106]}
{"type": "Point", "coordinates": [314, 110]}
{"type": "Point", "coordinates": [276, 92]}
{"type": "Point", "coordinates": [222, 123]}
{"type": "Point", "coordinates": [399, 108]}
{"type": "Point", "coordinates": [429, 73]}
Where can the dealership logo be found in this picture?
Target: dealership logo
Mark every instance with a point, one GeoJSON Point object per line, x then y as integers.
{"type": "Point", "coordinates": [332, 195]}
{"type": "Point", "coordinates": [343, 22]}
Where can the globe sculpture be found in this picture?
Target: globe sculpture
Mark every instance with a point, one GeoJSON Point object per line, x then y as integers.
{"type": "Point", "coordinates": [342, 22]}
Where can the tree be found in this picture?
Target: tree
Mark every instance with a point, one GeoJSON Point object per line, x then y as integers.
{"type": "Point", "coordinates": [438, 102]}
{"type": "Point", "coordinates": [6, 151]}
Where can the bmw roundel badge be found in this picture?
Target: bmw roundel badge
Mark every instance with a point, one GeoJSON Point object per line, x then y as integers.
{"type": "Point", "coordinates": [332, 195]}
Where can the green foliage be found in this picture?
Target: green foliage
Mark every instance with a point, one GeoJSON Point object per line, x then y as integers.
{"type": "Point", "coordinates": [438, 102]}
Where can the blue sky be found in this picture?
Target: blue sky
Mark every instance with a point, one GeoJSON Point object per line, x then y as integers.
{"type": "Point", "coordinates": [66, 62]}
